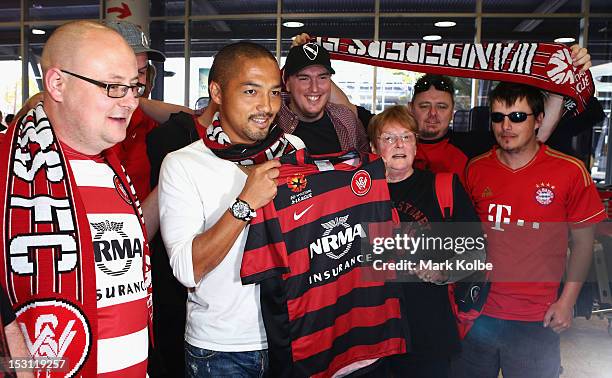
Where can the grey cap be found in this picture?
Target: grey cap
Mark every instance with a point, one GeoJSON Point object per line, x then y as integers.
{"type": "Point", "coordinates": [136, 38]}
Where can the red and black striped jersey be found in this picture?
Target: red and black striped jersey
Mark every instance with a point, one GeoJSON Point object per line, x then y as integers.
{"type": "Point", "coordinates": [322, 317]}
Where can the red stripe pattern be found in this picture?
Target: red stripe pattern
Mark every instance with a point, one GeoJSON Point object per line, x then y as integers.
{"type": "Point", "coordinates": [309, 238]}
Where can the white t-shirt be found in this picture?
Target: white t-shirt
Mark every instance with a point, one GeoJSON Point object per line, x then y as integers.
{"type": "Point", "coordinates": [195, 189]}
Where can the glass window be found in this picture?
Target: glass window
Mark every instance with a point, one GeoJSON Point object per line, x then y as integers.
{"type": "Point", "coordinates": [208, 37]}
{"type": "Point", "coordinates": [514, 6]}
{"type": "Point", "coordinates": [62, 10]}
{"type": "Point", "coordinates": [10, 66]}
{"type": "Point", "coordinates": [10, 10]}
{"type": "Point", "coordinates": [427, 6]}
{"type": "Point", "coordinates": [601, 6]}
{"type": "Point", "coordinates": [212, 7]}
{"type": "Point", "coordinates": [169, 38]}
{"type": "Point", "coordinates": [601, 55]}
{"type": "Point", "coordinates": [36, 39]}
{"type": "Point", "coordinates": [326, 6]}
{"type": "Point", "coordinates": [600, 35]}
{"type": "Point", "coordinates": [167, 8]}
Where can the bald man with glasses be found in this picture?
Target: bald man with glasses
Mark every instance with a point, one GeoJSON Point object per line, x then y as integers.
{"type": "Point", "coordinates": [90, 297]}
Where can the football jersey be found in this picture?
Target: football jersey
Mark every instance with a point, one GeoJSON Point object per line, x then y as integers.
{"type": "Point", "coordinates": [118, 244]}
{"type": "Point", "coordinates": [526, 214]}
{"type": "Point", "coordinates": [132, 152]}
{"type": "Point", "coordinates": [451, 152]}
{"type": "Point", "coordinates": [321, 316]}
{"type": "Point", "coordinates": [440, 156]}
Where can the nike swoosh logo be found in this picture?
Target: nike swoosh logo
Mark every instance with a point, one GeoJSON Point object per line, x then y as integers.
{"type": "Point", "coordinates": [297, 216]}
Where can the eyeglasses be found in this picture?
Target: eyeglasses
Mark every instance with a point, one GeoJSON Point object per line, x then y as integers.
{"type": "Point", "coordinates": [516, 117]}
{"type": "Point", "coordinates": [392, 138]}
{"type": "Point", "coordinates": [113, 90]}
{"type": "Point", "coordinates": [440, 84]}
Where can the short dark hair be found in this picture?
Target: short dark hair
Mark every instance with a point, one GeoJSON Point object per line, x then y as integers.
{"type": "Point", "coordinates": [509, 93]}
{"type": "Point", "coordinates": [225, 60]}
{"type": "Point", "coordinates": [440, 82]}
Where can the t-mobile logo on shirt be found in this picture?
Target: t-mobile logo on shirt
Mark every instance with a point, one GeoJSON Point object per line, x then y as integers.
{"type": "Point", "coordinates": [500, 214]}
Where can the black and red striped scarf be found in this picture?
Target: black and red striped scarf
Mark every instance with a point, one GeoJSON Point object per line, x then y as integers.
{"type": "Point", "coordinates": [47, 251]}
{"type": "Point", "coordinates": [275, 145]}
{"type": "Point", "coordinates": [543, 65]}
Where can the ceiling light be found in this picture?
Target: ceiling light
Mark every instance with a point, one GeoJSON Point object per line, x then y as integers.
{"type": "Point", "coordinates": [565, 40]}
{"type": "Point", "coordinates": [38, 32]}
{"type": "Point", "coordinates": [432, 38]}
{"type": "Point", "coordinates": [293, 24]}
{"type": "Point", "coordinates": [445, 24]}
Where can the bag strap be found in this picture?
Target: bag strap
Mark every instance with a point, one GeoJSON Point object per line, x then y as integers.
{"type": "Point", "coordinates": [443, 186]}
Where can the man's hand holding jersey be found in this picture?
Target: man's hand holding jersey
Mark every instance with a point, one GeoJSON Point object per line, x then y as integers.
{"type": "Point", "coordinates": [260, 187]}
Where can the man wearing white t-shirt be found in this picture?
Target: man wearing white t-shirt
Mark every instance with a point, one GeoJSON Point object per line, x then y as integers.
{"type": "Point", "coordinates": [208, 192]}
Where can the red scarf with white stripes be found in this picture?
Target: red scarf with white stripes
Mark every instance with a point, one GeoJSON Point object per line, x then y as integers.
{"type": "Point", "coordinates": [543, 65]}
{"type": "Point", "coordinates": [273, 146]}
{"type": "Point", "coordinates": [47, 250]}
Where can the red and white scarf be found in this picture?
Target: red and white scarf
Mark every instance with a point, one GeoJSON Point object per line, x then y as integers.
{"type": "Point", "coordinates": [47, 251]}
{"type": "Point", "coordinates": [544, 65]}
{"type": "Point", "coordinates": [275, 145]}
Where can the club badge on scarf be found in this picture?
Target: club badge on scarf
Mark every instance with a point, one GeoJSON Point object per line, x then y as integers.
{"type": "Point", "coordinates": [544, 65]}
{"type": "Point", "coordinates": [46, 250]}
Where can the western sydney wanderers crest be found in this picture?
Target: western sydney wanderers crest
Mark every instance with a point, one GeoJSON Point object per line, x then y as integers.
{"type": "Point", "coordinates": [545, 193]}
{"type": "Point", "coordinates": [297, 183]}
{"type": "Point", "coordinates": [121, 190]}
{"type": "Point", "coordinates": [311, 50]}
{"type": "Point", "coordinates": [361, 182]}
{"type": "Point", "coordinates": [56, 328]}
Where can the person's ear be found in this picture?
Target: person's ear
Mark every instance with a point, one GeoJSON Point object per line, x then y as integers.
{"type": "Point", "coordinates": [287, 84]}
{"type": "Point", "coordinates": [538, 121]}
{"type": "Point", "coordinates": [373, 148]}
{"type": "Point", "coordinates": [55, 84]}
{"type": "Point", "coordinates": [215, 92]}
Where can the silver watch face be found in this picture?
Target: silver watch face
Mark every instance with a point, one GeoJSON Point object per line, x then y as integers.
{"type": "Point", "coordinates": [240, 209]}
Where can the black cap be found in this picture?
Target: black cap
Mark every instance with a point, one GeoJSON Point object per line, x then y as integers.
{"type": "Point", "coordinates": [309, 54]}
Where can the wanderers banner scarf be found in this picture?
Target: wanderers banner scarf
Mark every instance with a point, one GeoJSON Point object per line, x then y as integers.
{"type": "Point", "coordinates": [544, 65]}
{"type": "Point", "coordinates": [46, 250]}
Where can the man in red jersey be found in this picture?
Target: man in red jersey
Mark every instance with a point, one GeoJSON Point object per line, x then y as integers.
{"type": "Point", "coordinates": [534, 202]}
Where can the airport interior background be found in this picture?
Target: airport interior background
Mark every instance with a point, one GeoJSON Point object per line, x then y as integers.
{"type": "Point", "coordinates": [191, 32]}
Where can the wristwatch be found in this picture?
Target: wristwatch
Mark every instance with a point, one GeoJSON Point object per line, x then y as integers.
{"type": "Point", "coordinates": [242, 211]}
